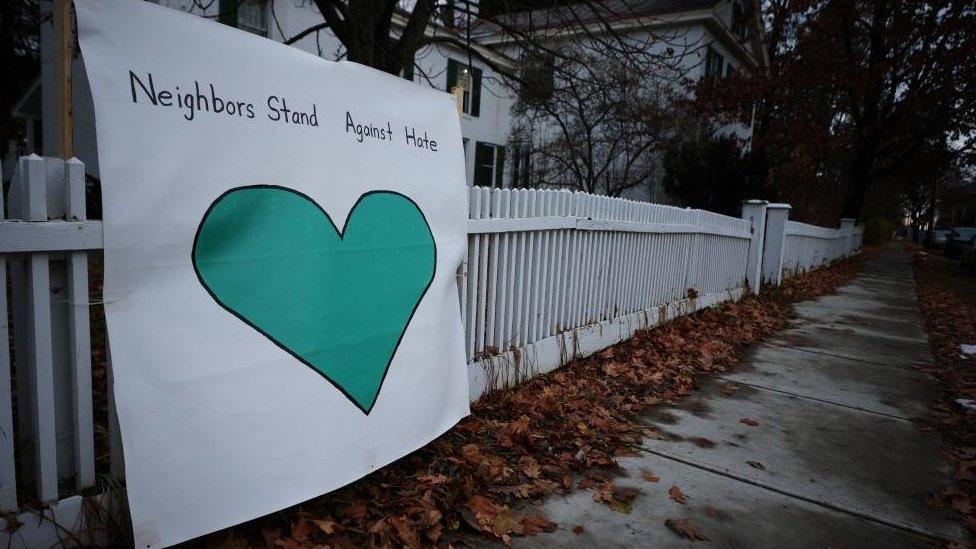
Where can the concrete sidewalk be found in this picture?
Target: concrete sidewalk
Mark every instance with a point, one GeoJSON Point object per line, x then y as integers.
{"type": "Point", "coordinates": [837, 458]}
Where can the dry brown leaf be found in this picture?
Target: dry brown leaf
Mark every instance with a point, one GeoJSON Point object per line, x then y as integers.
{"type": "Point", "coordinates": [535, 524]}
{"type": "Point", "coordinates": [649, 476]}
{"type": "Point", "coordinates": [677, 495]}
{"type": "Point", "coordinates": [966, 470]}
{"type": "Point", "coordinates": [301, 530]}
{"type": "Point", "coordinates": [327, 526]}
{"type": "Point", "coordinates": [729, 388]}
{"type": "Point", "coordinates": [472, 453]}
{"type": "Point", "coordinates": [530, 467]}
{"type": "Point", "coordinates": [749, 422]}
{"type": "Point", "coordinates": [406, 532]}
{"type": "Point", "coordinates": [623, 500]}
{"type": "Point", "coordinates": [685, 528]}
{"type": "Point", "coordinates": [970, 522]}
{"type": "Point", "coordinates": [432, 479]}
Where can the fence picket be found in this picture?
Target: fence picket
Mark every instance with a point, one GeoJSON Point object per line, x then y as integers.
{"type": "Point", "coordinates": [42, 427]}
{"type": "Point", "coordinates": [8, 471]}
{"type": "Point", "coordinates": [79, 334]}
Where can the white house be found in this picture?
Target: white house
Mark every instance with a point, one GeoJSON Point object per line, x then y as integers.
{"type": "Point", "coordinates": [485, 101]}
{"type": "Point", "coordinates": [680, 42]}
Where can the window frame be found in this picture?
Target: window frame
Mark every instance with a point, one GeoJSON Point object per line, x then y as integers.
{"type": "Point", "coordinates": [471, 96]}
{"type": "Point", "coordinates": [496, 164]}
{"type": "Point", "coordinates": [229, 13]}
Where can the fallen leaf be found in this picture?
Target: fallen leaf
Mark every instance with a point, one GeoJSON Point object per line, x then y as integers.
{"type": "Point", "coordinates": [328, 526]}
{"type": "Point", "coordinates": [530, 467]}
{"type": "Point", "coordinates": [406, 532]}
{"type": "Point", "coordinates": [578, 529]}
{"type": "Point", "coordinates": [649, 476]}
{"type": "Point", "coordinates": [432, 479]}
{"type": "Point", "coordinates": [749, 422]}
{"type": "Point", "coordinates": [623, 500]}
{"type": "Point", "coordinates": [357, 511]}
{"type": "Point", "coordinates": [685, 528]}
{"type": "Point", "coordinates": [757, 465]}
{"type": "Point", "coordinates": [677, 495]}
{"type": "Point", "coordinates": [702, 442]}
{"type": "Point", "coordinates": [270, 536]}
{"type": "Point", "coordinates": [962, 502]}
{"type": "Point", "coordinates": [970, 522]}
{"type": "Point", "coordinates": [472, 453]}
{"type": "Point", "coordinates": [728, 388]}
{"type": "Point", "coordinates": [534, 524]}
{"type": "Point", "coordinates": [966, 470]}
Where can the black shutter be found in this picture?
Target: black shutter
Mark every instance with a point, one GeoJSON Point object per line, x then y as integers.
{"type": "Point", "coordinates": [483, 159]}
{"type": "Point", "coordinates": [475, 91]}
{"type": "Point", "coordinates": [515, 177]}
{"type": "Point", "coordinates": [408, 70]}
{"type": "Point", "coordinates": [452, 74]}
{"type": "Point", "coordinates": [227, 12]}
{"type": "Point", "coordinates": [499, 167]}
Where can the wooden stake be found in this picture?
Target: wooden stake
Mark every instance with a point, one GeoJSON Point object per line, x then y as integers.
{"type": "Point", "coordinates": [64, 52]}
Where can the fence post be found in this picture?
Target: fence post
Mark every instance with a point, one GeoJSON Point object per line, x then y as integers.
{"type": "Point", "coordinates": [772, 262]}
{"type": "Point", "coordinates": [33, 335]}
{"type": "Point", "coordinates": [754, 211]}
{"type": "Point", "coordinates": [847, 229]}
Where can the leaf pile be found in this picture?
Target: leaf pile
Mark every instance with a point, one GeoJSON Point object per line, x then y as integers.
{"type": "Point", "coordinates": [554, 433]}
{"type": "Point", "coordinates": [947, 300]}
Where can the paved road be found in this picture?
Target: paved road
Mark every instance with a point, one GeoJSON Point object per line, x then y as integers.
{"type": "Point", "coordinates": [844, 460]}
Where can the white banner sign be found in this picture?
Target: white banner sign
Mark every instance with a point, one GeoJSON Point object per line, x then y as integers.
{"type": "Point", "coordinates": [281, 240]}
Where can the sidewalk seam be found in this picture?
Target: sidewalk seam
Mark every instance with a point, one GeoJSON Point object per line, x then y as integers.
{"type": "Point", "coordinates": [863, 515]}
{"type": "Point", "coordinates": [834, 355]}
{"type": "Point", "coordinates": [820, 400]}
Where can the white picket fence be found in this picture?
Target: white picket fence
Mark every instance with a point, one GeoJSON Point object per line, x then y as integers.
{"type": "Point", "coordinates": [550, 276]}
{"type": "Point", "coordinates": [810, 246]}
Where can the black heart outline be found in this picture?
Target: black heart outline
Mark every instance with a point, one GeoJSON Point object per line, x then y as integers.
{"type": "Point", "coordinates": [341, 234]}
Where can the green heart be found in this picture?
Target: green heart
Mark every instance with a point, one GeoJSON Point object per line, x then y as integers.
{"type": "Point", "coordinates": [338, 301]}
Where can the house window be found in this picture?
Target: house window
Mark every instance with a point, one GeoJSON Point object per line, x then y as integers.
{"type": "Point", "coordinates": [468, 79]}
{"type": "Point", "coordinates": [714, 62]}
{"type": "Point", "coordinates": [408, 70]}
{"type": "Point", "coordinates": [489, 164]}
{"type": "Point", "coordinates": [249, 15]}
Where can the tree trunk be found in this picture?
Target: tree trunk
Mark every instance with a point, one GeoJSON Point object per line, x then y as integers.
{"type": "Point", "coordinates": [859, 177]}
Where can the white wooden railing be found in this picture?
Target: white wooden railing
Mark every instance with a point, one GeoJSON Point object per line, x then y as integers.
{"type": "Point", "coordinates": [550, 275]}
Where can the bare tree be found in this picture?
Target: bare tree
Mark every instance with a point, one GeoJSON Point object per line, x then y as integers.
{"type": "Point", "coordinates": [598, 134]}
{"type": "Point", "coordinates": [598, 87]}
